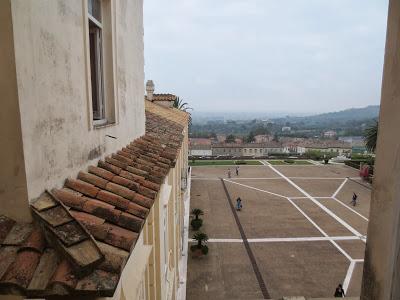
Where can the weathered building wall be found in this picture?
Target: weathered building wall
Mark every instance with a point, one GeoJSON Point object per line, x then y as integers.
{"type": "Point", "coordinates": [12, 171]}
{"type": "Point", "coordinates": [51, 58]}
{"type": "Point", "coordinates": [381, 279]}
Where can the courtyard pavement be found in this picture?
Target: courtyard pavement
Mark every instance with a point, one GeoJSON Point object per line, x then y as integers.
{"type": "Point", "coordinates": [297, 234]}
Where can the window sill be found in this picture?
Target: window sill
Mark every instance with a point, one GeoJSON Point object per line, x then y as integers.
{"type": "Point", "coordinates": [98, 124]}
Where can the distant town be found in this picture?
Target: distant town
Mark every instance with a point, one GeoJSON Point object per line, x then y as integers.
{"type": "Point", "coordinates": [338, 134]}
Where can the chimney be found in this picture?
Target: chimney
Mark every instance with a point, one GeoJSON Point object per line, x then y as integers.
{"type": "Point", "coordinates": [149, 90]}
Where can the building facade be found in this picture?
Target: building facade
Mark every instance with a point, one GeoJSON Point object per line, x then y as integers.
{"type": "Point", "coordinates": [94, 176]}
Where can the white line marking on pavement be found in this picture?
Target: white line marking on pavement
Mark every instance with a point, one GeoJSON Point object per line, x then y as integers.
{"type": "Point", "coordinates": [324, 208]}
{"type": "Point", "coordinates": [294, 198]}
{"type": "Point", "coordinates": [318, 178]}
{"type": "Point", "coordinates": [320, 230]}
{"type": "Point", "coordinates": [259, 178]}
{"type": "Point", "coordinates": [340, 188]}
{"type": "Point", "coordinates": [279, 240]}
{"type": "Point", "coordinates": [305, 215]}
{"type": "Point", "coordinates": [347, 279]}
{"type": "Point", "coordinates": [353, 210]}
{"type": "Point", "coordinates": [250, 187]}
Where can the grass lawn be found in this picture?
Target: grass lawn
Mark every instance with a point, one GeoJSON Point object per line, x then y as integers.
{"type": "Point", "coordinates": [224, 162]}
{"type": "Point", "coordinates": [296, 162]}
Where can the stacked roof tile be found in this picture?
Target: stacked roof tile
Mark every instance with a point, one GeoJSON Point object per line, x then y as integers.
{"type": "Point", "coordinates": [84, 232]}
{"type": "Point", "coordinates": [163, 97]}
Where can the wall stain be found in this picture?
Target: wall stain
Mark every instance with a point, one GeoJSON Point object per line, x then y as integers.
{"type": "Point", "coordinates": [95, 153]}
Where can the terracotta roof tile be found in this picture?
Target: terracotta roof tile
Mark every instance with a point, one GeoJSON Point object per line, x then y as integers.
{"type": "Point", "coordinates": [44, 271]}
{"type": "Point", "coordinates": [82, 187]}
{"type": "Point", "coordinates": [64, 275]}
{"type": "Point", "coordinates": [120, 190]}
{"type": "Point", "coordinates": [115, 258]}
{"type": "Point", "coordinates": [110, 203]}
{"type": "Point", "coordinates": [7, 257]}
{"type": "Point", "coordinates": [18, 234]}
{"type": "Point", "coordinates": [109, 167]}
{"type": "Point", "coordinates": [103, 173]}
{"type": "Point", "coordinates": [113, 199]}
{"type": "Point", "coordinates": [20, 272]}
{"type": "Point", "coordinates": [98, 280]}
{"type": "Point", "coordinates": [35, 241]}
{"type": "Point", "coordinates": [66, 235]}
{"type": "Point", "coordinates": [6, 224]}
{"type": "Point", "coordinates": [93, 179]}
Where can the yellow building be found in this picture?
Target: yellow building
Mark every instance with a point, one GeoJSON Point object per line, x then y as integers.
{"type": "Point", "coordinates": [93, 179]}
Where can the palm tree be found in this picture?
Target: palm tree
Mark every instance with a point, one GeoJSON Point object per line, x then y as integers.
{"type": "Point", "coordinates": [179, 104]}
{"type": "Point", "coordinates": [200, 237]}
{"type": "Point", "coordinates": [197, 212]}
{"type": "Point", "coordinates": [370, 137]}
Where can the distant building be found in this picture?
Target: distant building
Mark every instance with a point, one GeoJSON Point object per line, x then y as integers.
{"type": "Point", "coordinates": [250, 150]}
{"type": "Point", "coordinates": [224, 149]}
{"type": "Point", "coordinates": [286, 129]}
{"type": "Point", "coordinates": [338, 147]}
{"type": "Point", "coordinates": [262, 138]}
{"type": "Point", "coordinates": [221, 138]}
{"type": "Point", "coordinates": [330, 134]}
{"type": "Point", "coordinates": [200, 150]}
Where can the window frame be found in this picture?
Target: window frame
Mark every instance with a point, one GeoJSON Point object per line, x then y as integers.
{"type": "Point", "coordinates": [108, 111]}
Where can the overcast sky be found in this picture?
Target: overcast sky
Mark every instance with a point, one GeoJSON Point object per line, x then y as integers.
{"type": "Point", "coordinates": [266, 55]}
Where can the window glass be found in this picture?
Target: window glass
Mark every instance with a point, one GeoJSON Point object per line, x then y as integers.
{"type": "Point", "coordinates": [94, 9]}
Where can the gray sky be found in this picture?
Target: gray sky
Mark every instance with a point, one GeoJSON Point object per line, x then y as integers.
{"type": "Point", "coordinates": [267, 55]}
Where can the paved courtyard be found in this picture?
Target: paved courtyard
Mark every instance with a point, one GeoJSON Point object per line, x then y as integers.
{"type": "Point", "coordinates": [297, 233]}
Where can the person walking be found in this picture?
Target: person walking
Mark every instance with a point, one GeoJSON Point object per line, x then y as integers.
{"type": "Point", "coordinates": [354, 199]}
{"type": "Point", "coordinates": [238, 203]}
{"type": "Point", "coordinates": [237, 171]}
{"type": "Point", "coordinates": [229, 173]}
{"type": "Point", "coordinates": [339, 292]}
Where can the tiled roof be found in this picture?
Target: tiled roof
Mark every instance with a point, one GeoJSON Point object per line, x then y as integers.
{"type": "Point", "coordinates": [199, 141]}
{"type": "Point", "coordinates": [324, 144]}
{"type": "Point", "coordinates": [163, 97]}
{"type": "Point", "coordinates": [270, 144]}
{"type": "Point", "coordinates": [83, 233]}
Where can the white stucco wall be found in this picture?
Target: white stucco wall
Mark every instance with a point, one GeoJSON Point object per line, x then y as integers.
{"type": "Point", "coordinates": [201, 152]}
{"type": "Point", "coordinates": [53, 88]}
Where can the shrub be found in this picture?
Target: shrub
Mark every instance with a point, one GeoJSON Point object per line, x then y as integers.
{"type": "Point", "coordinates": [204, 249]}
{"type": "Point", "coordinates": [289, 161]}
{"type": "Point", "coordinates": [196, 224]}
{"type": "Point", "coordinates": [200, 237]}
{"type": "Point", "coordinates": [197, 212]}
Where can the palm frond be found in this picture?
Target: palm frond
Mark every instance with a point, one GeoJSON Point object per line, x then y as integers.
{"type": "Point", "coordinates": [371, 136]}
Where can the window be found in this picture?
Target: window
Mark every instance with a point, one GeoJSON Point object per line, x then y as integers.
{"type": "Point", "coordinates": [96, 59]}
{"type": "Point", "coordinates": [101, 61]}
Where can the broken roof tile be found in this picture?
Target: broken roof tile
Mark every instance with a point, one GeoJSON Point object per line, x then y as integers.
{"type": "Point", "coordinates": [109, 202]}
